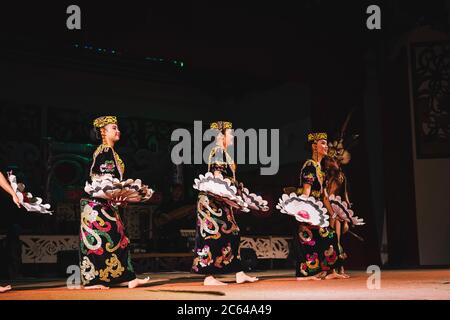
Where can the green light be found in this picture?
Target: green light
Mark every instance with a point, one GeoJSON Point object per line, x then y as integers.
{"type": "Point", "coordinates": [181, 64]}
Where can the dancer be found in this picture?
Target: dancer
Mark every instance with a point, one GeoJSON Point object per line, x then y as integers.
{"type": "Point", "coordinates": [217, 233]}
{"type": "Point", "coordinates": [337, 191]}
{"type": "Point", "coordinates": [7, 187]}
{"type": "Point", "coordinates": [336, 186]}
{"type": "Point", "coordinates": [105, 258]}
{"type": "Point", "coordinates": [315, 246]}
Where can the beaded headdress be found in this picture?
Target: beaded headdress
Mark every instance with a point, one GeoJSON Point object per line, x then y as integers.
{"type": "Point", "coordinates": [100, 122]}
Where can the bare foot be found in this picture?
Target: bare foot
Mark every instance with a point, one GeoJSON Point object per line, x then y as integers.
{"type": "Point", "coordinates": [314, 278]}
{"type": "Point", "coordinates": [241, 277]}
{"type": "Point", "coordinates": [4, 289]}
{"type": "Point", "coordinates": [137, 282]}
{"type": "Point", "coordinates": [342, 273]}
{"type": "Point", "coordinates": [211, 281]}
{"type": "Point", "coordinates": [97, 287]}
{"type": "Point", "coordinates": [335, 275]}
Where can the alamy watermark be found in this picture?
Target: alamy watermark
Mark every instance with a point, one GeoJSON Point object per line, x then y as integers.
{"type": "Point", "coordinates": [73, 22]}
{"type": "Point", "coordinates": [74, 279]}
{"type": "Point", "coordinates": [374, 280]}
{"type": "Point", "coordinates": [373, 22]}
{"type": "Point", "coordinates": [264, 147]}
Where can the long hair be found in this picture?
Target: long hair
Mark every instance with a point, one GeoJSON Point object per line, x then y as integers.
{"type": "Point", "coordinates": [97, 134]}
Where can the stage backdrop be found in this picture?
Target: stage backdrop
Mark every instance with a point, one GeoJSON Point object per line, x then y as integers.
{"type": "Point", "coordinates": [430, 116]}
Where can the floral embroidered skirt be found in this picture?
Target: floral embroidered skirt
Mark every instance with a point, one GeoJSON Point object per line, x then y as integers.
{"type": "Point", "coordinates": [104, 253]}
{"type": "Point", "coordinates": [217, 238]}
{"type": "Point", "coordinates": [316, 250]}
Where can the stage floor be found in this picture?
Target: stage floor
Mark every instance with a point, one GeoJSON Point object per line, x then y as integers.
{"type": "Point", "coordinates": [421, 284]}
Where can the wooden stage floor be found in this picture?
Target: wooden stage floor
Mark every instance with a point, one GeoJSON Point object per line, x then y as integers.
{"type": "Point", "coordinates": [430, 284]}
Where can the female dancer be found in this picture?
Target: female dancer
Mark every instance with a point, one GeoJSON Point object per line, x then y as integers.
{"type": "Point", "coordinates": [217, 234]}
{"type": "Point", "coordinates": [315, 247]}
{"type": "Point", "coordinates": [7, 187]}
{"type": "Point", "coordinates": [104, 253]}
{"type": "Point", "coordinates": [337, 188]}
{"type": "Point", "coordinates": [336, 185]}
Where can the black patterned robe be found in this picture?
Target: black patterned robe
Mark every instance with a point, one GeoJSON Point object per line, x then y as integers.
{"type": "Point", "coordinates": [104, 247]}
{"type": "Point", "coordinates": [217, 233]}
{"type": "Point", "coordinates": [315, 248]}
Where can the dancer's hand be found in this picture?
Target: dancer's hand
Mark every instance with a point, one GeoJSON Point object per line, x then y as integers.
{"type": "Point", "coordinates": [120, 201]}
{"type": "Point", "coordinates": [16, 200]}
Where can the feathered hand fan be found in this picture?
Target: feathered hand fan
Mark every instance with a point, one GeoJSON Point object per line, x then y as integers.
{"type": "Point", "coordinates": [26, 199]}
{"type": "Point", "coordinates": [112, 189]}
{"type": "Point", "coordinates": [343, 212]}
{"type": "Point", "coordinates": [304, 209]}
{"type": "Point", "coordinates": [222, 188]}
{"type": "Point", "coordinates": [253, 201]}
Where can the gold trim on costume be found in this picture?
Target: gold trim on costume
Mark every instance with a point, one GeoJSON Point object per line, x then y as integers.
{"type": "Point", "coordinates": [314, 193]}
{"type": "Point", "coordinates": [119, 162]}
{"type": "Point", "coordinates": [320, 174]}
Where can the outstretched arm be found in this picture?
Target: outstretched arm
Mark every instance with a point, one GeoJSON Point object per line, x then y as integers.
{"type": "Point", "coordinates": [7, 187]}
{"type": "Point", "coordinates": [306, 189]}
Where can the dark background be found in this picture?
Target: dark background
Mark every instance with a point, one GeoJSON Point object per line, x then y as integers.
{"type": "Point", "coordinates": [209, 61]}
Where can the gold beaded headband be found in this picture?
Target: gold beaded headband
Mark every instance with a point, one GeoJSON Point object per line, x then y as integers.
{"type": "Point", "coordinates": [221, 125]}
{"type": "Point", "coordinates": [314, 137]}
{"type": "Point", "coordinates": [105, 120]}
